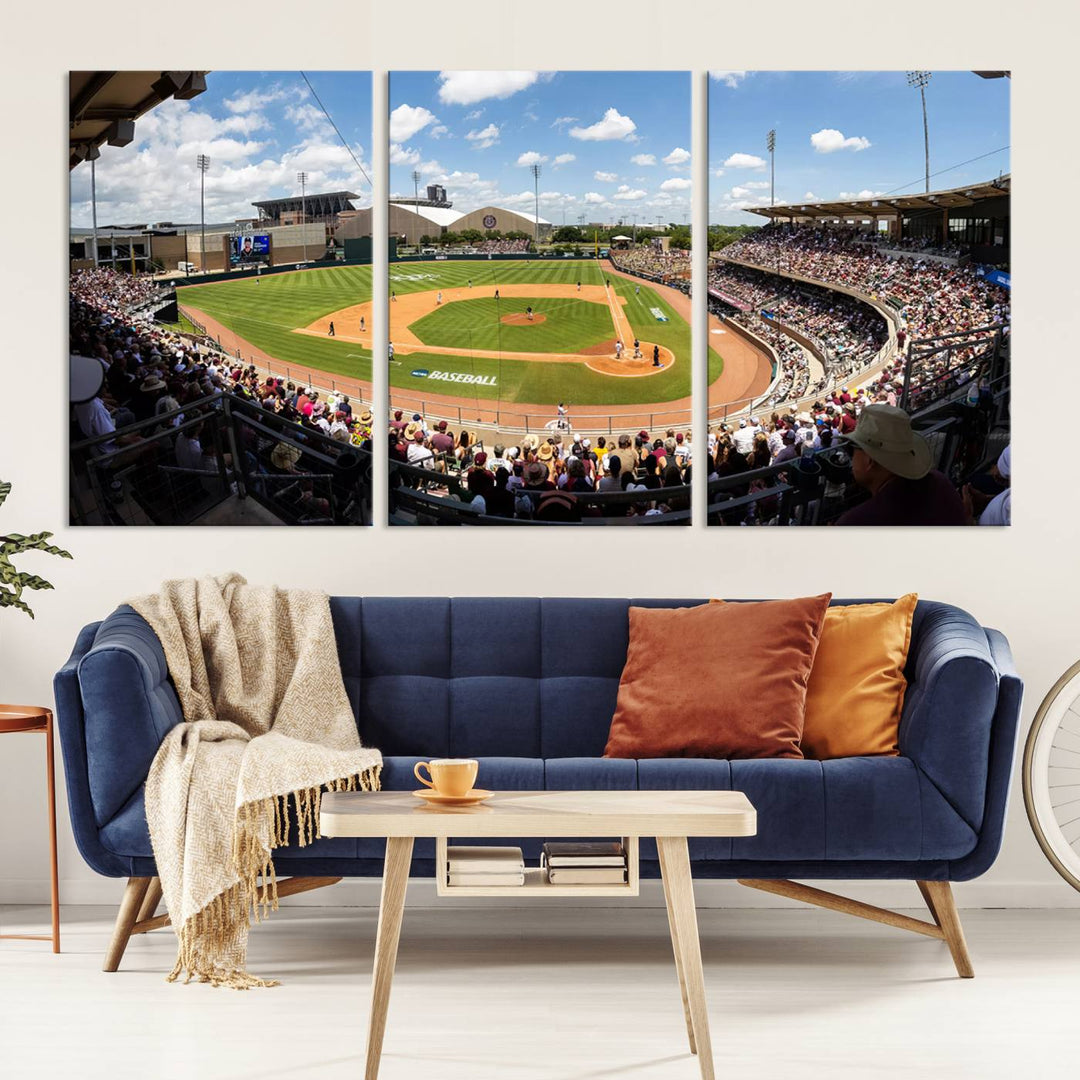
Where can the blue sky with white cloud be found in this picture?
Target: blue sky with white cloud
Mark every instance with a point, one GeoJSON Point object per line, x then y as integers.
{"type": "Point", "coordinates": [611, 144]}
{"type": "Point", "coordinates": [258, 129]}
{"type": "Point", "coordinates": [848, 135]}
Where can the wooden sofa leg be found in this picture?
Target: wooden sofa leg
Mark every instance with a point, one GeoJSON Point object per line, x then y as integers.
{"type": "Point", "coordinates": [150, 902]}
{"type": "Point", "coordinates": [939, 899]}
{"type": "Point", "coordinates": [134, 894]}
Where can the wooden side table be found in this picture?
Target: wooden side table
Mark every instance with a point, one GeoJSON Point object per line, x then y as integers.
{"type": "Point", "coordinates": [34, 718]}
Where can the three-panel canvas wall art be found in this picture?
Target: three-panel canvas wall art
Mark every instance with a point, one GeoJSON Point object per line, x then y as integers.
{"type": "Point", "coordinates": [539, 332]}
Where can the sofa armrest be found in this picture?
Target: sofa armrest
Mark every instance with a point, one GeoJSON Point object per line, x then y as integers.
{"type": "Point", "coordinates": [128, 704]}
{"type": "Point", "coordinates": [950, 706]}
{"type": "Point", "coordinates": [1003, 744]}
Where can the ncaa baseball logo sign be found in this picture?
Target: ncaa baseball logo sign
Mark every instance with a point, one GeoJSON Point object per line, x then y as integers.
{"type": "Point", "coordinates": [489, 221]}
{"type": "Point", "coordinates": [419, 373]}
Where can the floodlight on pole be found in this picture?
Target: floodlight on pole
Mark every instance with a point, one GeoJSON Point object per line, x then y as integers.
{"type": "Point", "coordinates": [301, 179]}
{"type": "Point", "coordinates": [536, 170]}
{"type": "Point", "coordinates": [202, 162]}
{"type": "Point", "coordinates": [770, 143]}
{"type": "Point", "coordinates": [920, 79]}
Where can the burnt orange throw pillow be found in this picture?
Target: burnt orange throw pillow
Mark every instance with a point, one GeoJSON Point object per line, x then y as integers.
{"type": "Point", "coordinates": [856, 691]}
{"type": "Point", "coordinates": [718, 680]}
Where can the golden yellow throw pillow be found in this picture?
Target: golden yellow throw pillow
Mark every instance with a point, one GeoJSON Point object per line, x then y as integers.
{"type": "Point", "coordinates": [856, 690]}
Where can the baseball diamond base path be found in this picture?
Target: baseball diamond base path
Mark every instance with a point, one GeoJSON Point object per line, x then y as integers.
{"type": "Point", "coordinates": [747, 370]}
{"type": "Point", "coordinates": [411, 307]}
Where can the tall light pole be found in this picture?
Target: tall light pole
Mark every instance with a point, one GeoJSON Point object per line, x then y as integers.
{"type": "Point", "coordinates": [634, 241]}
{"type": "Point", "coordinates": [203, 163]}
{"type": "Point", "coordinates": [920, 79]}
{"type": "Point", "coordinates": [536, 187]}
{"type": "Point", "coordinates": [416, 196]}
{"type": "Point", "coordinates": [770, 142]}
{"type": "Point", "coordinates": [301, 179]}
{"type": "Point", "coordinates": [93, 153]}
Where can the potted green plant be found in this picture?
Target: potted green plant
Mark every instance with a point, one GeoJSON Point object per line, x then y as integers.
{"type": "Point", "coordinates": [12, 580]}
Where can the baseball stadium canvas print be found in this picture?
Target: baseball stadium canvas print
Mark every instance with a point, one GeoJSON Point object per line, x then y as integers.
{"type": "Point", "coordinates": [859, 249]}
{"type": "Point", "coordinates": [213, 237]}
{"type": "Point", "coordinates": [539, 358]}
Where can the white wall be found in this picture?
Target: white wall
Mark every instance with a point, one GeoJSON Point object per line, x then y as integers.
{"type": "Point", "coordinates": [1023, 580]}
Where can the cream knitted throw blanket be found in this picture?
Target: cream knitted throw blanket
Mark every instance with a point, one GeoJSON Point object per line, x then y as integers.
{"type": "Point", "coordinates": [266, 722]}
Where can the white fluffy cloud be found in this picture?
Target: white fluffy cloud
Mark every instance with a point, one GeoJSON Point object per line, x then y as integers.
{"type": "Point", "coordinates": [729, 78]}
{"type": "Point", "coordinates": [403, 155]}
{"type": "Point", "coordinates": [407, 120]}
{"type": "Point", "coordinates": [469, 87]}
{"type": "Point", "coordinates": [829, 140]}
{"type": "Point", "coordinates": [155, 178]}
{"type": "Point", "coordinates": [644, 159]}
{"type": "Point", "coordinates": [760, 185]}
{"type": "Point", "coordinates": [810, 197]}
{"type": "Point", "coordinates": [866, 193]}
{"type": "Point", "coordinates": [531, 157]}
{"type": "Point", "coordinates": [678, 156]}
{"type": "Point", "coordinates": [594, 197]}
{"type": "Point", "coordinates": [485, 137]}
{"type": "Point", "coordinates": [564, 159]}
{"type": "Point", "coordinates": [676, 183]}
{"type": "Point", "coordinates": [625, 193]}
{"type": "Point", "coordinates": [605, 177]}
{"type": "Point", "coordinates": [561, 121]}
{"type": "Point", "coordinates": [744, 161]}
{"type": "Point", "coordinates": [613, 126]}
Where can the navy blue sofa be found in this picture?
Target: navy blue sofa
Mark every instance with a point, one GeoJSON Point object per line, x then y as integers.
{"type": "Point", "coordinates": [528, 686]}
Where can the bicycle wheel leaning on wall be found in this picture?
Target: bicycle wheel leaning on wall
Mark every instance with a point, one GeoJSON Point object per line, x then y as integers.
{"type": "Point", "coordinates": [1052, 776]}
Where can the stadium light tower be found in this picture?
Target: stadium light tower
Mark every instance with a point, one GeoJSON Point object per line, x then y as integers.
{"type": "Point", "coordinates": [536, 170]}
{"type": "Point", "coordinates": [920, 79]}
{"type": "Point", "coordinates": [301, 179]}
{"type": "Point", "coordinates": [416, 193]}
{"type": "Point", "coordinates": [770, 142]}
{"type": "Point", "coordinates": [203, 163]}
{"type": "Point", "coordinates": [93, 153]}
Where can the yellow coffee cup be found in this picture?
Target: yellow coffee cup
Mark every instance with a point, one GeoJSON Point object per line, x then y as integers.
{"type": "Point", "coordinates": [449, 776]}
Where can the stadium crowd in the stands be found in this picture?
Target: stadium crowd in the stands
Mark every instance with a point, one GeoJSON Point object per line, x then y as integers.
{"type": "Point", "coordinates": [153, 371]}
{"type": "Point", "coordinates": [667, 267]}
{"type": "Point", "coordinates": [546, 478]}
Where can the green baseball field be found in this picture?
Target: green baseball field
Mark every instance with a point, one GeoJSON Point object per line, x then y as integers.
{"type": "Point", "coordinates": [453, 335]}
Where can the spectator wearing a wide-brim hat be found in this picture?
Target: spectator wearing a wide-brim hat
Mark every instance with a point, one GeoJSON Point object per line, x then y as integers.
{"type": "Point", "coordinates": [894, 463]}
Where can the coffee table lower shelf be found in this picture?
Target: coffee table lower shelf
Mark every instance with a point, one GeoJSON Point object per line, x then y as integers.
{"type": "Point", "coordinates": [536, 883]}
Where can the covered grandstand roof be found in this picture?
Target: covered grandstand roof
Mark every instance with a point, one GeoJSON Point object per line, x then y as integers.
{"type": "Point", "coordinates": [890, 205]}
{"type": "Point", "coordinates": [312, 199]}
{"type": "Point", "coordinates": [104, 105]}
{"type": "Point", "coordinates": [443, 216]}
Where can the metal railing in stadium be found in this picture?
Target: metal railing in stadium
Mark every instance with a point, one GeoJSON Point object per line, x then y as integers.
{"type": "Point", "coordinates": [134, 476]}
{"type": "Point", "coordinates": [965, 437]}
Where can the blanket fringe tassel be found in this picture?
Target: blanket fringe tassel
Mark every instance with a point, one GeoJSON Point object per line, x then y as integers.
{"type": "Point", "coordinates": [213, 942]}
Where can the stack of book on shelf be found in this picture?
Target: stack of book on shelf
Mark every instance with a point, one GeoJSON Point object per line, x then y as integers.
{"type": "Point", "coordinates": [591, 863]}
{"type": "Point", "coordinates": [485, 866]}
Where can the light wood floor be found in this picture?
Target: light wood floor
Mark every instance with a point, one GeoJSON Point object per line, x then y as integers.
{"type": "Point", "coordinates": [543, 993]}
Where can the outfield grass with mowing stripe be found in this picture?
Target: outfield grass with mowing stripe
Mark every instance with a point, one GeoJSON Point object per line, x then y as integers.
{"type": "Point", "coordinates": [569, 325]}
{"type": "Point", "coordinates": [537, 382]}
{"type": "Point", "coordinates": [265, 311]}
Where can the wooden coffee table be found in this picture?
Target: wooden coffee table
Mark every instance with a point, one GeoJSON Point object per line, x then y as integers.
{"type": "Point", "coordinates": [669, 816]}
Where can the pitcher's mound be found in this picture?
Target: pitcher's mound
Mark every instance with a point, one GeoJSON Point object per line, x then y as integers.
{"type": "Point", "coordinates": [519, 318]}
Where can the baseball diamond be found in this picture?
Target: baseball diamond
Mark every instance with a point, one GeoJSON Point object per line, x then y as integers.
{"type": "Point", "coordinates": [486, 350]}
